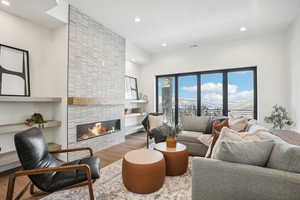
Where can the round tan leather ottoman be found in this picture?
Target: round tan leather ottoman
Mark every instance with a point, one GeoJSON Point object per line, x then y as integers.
{"type": "Point", "coordinates": [143, 171]}
{"type": "Point", "coordinates": [176, 158]}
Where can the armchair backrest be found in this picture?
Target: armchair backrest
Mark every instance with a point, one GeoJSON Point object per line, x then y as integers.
{"type": "Point", "coordinates": [145, 122]}
{"type": "Point", "coordinates": [33, 153]}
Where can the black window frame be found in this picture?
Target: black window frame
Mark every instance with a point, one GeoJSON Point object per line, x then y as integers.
{"type": "Point", "coordinates": [224, 73]}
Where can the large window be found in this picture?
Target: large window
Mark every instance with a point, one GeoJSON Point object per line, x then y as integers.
{"type": "Point", "coordinates": [209, 93]}
{"type": "Point", "coordinates": [166, 97]}
{"type": "Point", "coordinates": [187, 95]}
{"type": "Point", "coordinates": [240, 93]}
{"type": "Point", "coordinates": [212, 94]}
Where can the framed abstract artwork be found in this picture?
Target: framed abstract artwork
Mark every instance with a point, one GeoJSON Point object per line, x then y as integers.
{"type": "Point", "coordinates": [14, 71]}
{"type": "Point", "coordinates": [131, 89]}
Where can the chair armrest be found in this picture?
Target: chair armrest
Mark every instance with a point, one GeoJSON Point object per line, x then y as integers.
{"type": "Point", "coordinates": [52, 169]}
{"type": "Point", "coordinates": [74, 149]}
{"type": "Point", "coordinates": [239, 181]}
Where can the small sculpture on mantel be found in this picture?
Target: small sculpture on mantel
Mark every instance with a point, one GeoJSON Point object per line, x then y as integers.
{"type": "Point", "coordinates": [36, 118]}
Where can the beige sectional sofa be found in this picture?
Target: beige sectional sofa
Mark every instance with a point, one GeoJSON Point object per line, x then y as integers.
{"type": "Point", "coordinates": [193, 127]}
{"type": "Point", "coordinates": [279, 180]}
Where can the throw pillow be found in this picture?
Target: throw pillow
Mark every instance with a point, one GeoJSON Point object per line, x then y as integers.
{"type": "Point", "coordinates": [245, 152]}
{"type": "Point", "coordinates": [238, 124]}
{"type": "Point", "coordinates": [205, 139]}
{"type": "Point", "coordinates": [195, 123]}
{"type": "Point", "coordinates": [285, 157]}
{"type": "Point", "coordinates": [217, 127]}
{"type": "Point", "coordinates": [155, 121]}
{"type": "Point", "coordinates": [231, 135]}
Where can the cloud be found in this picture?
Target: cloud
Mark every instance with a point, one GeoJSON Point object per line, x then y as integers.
{"type": "Point", "coordinates": [190, 89]}
{"type": "Point", "coordinates": [212, 87]}
{"type": "Point", "coordinates": [241, 96]}
{"type": "Point", "coordinates": [212, 98]}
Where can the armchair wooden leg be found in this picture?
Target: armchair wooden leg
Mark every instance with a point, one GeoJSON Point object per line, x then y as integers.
{"type": "Point", "coordinates": [23, 191]}
{"type": "Point", "coordinates": [91, 191]}
{"type": "Point", "coordinates": [31, 189]}
{"type": "Point", "coordinates": [10, 187]}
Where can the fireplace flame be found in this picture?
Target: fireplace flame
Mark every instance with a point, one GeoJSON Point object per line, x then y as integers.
{"type": "Point", "coordinates": [97, 130]}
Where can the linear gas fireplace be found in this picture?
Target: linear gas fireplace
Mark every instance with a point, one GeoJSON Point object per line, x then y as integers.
{"type": "Point", "coordinates": [91, 130]}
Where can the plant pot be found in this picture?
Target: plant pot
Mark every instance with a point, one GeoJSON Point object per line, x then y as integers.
{"type": "Point", "coordinates": [171, 142]}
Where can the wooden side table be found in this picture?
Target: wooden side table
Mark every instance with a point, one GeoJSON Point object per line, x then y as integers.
{"type": "Point", "coordinates": [176, 158]}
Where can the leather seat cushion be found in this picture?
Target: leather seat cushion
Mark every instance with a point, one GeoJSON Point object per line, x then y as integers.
{"type": "Point", "coordinates": [189, 136]}
{"type": "Point", "coordinates": [67, 178]}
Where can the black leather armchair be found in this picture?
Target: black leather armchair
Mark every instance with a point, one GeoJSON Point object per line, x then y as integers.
{"type": "Point", "coordinates": [158, 137]}
{"type": "Point", "coordinates": [47, 173]}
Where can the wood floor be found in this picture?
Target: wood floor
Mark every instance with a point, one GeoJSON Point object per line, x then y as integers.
{"type": "Point", "coordinates": [107, 157]}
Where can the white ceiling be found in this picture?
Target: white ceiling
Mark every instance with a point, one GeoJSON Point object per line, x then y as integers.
{"type": "Point", "coordinates": [181, 23]}
{"type": "Point", "coordinates": [33, 10]}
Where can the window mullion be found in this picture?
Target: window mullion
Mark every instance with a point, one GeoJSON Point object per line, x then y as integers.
{"type": "Point", "coordinates": [225, 93]}
{"type": "Point", "coordinates": [198, 94]}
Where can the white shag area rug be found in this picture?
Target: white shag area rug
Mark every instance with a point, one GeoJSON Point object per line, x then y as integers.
{"type": "Point", "coordinates": [110, 187]}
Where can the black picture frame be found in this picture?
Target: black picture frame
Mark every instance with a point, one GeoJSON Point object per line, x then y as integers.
{"type": "Point", "coordinates": [24, 73]}
{"type": "Point", "coordinates": [131, 90]}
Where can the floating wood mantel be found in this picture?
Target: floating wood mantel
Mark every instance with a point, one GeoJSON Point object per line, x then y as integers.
{"type": "Point", "coordinates": [30, 99]}
{"type": "Point", "coordinates": [92, 101]}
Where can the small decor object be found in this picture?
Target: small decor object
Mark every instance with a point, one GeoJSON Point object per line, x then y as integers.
{"type": "Point", "coordinates": [14, 71]}
{"type": "Point", "coordinates": [131, 88]}
{"type": "Point", "coordinates": [36, 118]}
{"type": "Point", "coordinates": [279, 118]}
{"type": "Point", "coordinates": [171, 133]}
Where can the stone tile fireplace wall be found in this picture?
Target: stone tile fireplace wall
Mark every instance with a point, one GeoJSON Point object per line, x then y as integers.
{"type": "Point", "coordinates": [96, 70]}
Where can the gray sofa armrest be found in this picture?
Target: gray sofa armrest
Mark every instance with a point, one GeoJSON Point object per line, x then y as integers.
{"type": "Point", "coordinates": [219, 180]}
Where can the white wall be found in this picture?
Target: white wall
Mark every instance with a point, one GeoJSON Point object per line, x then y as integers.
{"type": "Point", "coordinates": [294, 63]}
{"type": "Point", "coordinates": [48, 71]}
{"type": "Point", "coordinates": [134, 70]}
{"type": "Point", "coordinates": [140, 56]}
{"type": "Point", "coordinates": [268, 53]}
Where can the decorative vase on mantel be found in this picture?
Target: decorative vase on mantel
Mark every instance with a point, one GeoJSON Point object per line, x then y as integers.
{"type": "Point", "coordinates": [171, 142]}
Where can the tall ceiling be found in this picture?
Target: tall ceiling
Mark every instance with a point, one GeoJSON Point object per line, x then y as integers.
{"type": "Point", "coordinates": [33, 10]}
{"type": "Point", "coordinates": [182, 23]}
{"type": "Point", "coordinates": [178, 23]}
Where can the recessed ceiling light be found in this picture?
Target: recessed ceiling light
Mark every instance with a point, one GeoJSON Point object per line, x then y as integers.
{"type": "Point", "coordinates": [6, 3]}
{"type": "Point", "coordinates": [194, 46]}
{"type": "Point", "coordinates": [164, 44]}
{"type": "Point", "coordinates": [133, 60]}
{"type": "Point", "coordinates": [243, 28]}
{"type": "Point", "coordinates": [137, 20]}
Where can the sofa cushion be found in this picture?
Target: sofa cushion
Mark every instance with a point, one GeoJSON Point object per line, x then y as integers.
{"type": "Point", "coordinates": [238, 123]}
{"type": "Point", "coordinates": [245, 152]}
{"type": "Point", "coordinates": [195, 123]}
{"type": "Point", "coordinates": [189, 136]}
{"type": "Point", "coordinates": [205, 139]}
{"type": "Point", "coordinates": [217, 127]}
{"type": "Point", "coordinates": [231, 135]}
{"type": "Point", "coordinates": [285, 157]}
{"type": "Point", "coordinates": [155, 121]}
{"type": "Point", "coordinates": [256, 127]}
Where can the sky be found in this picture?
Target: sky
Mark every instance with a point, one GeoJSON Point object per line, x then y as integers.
{"type": "Point", "coordinates": [240, 87]}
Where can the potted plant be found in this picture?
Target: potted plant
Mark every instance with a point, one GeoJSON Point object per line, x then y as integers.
{"type": "Point", "coordinates": [170, 132]}
{"type": "Point", "coordinates": [279, 118]}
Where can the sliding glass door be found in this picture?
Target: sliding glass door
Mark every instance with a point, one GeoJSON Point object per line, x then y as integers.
{"type": "Point", "coordinates": [212, 94]}
{"type": "Point", "coordinates": [187, 95]}
{"type": "Point", "coordinates": [166, 98]}
{"type": "Point", "coordinates": [209, 93]}
{"type": "Point", "coordinates": [241, 93]}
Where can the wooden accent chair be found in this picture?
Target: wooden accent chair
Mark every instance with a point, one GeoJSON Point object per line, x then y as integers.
{"type": "Point", "coordinates": [47, 173]}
